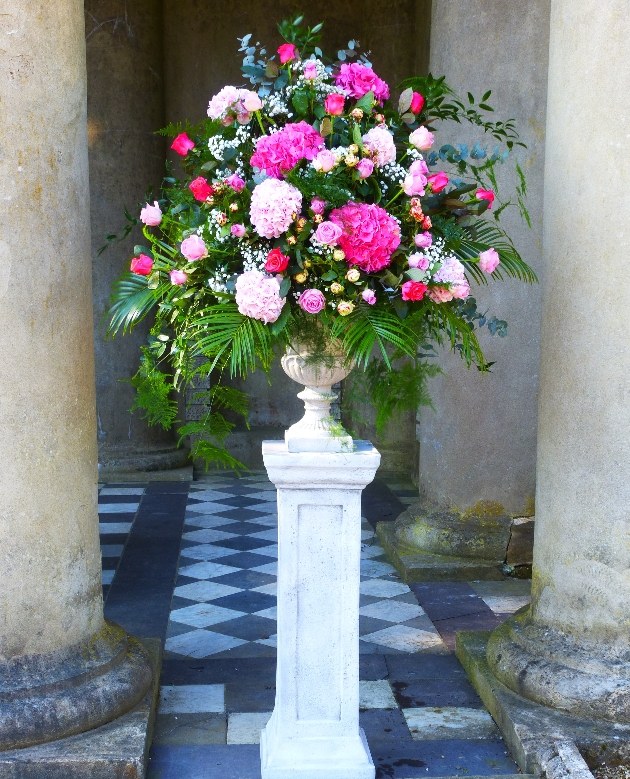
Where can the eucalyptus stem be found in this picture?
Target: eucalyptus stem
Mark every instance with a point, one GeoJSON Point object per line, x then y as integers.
{"type": "Point", "coordinates": [264, 132]}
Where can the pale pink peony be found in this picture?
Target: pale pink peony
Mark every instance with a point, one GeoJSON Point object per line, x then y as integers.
{"type": "Point", "coordinates": [370, 235]}
{"type": "Point", "coordinates": [238, 231]}
{"type": "Point", "coordinates": [258, 296]}
{"type": "Point", "coordinates": [193, 248]}
{"type": "Point", "coordinates": [418, 260]}
{"type": "Point", "coordinates": [415, 181]}
{"type": "Point", "coordinates": [489, 260]}
{"type": "Point", "coordinates": [357, 79]}
{"type": "Point", "coordinates": [325, 161]}
{"type": "Point", "coordinates": [381, 143]}
{"type": "Point", "coordinates": [365, 168]}
{"type": "Point", "coordinates": [421, 138]}
{"type": "Point", "coordinates": [312, 301]}
{"type": "Point", "coordinates": [328, 233]}
{"type": "Point", "coordinates": [369, 296]}
{"type": "Point", "coordinates": [178, 277]}
{"type": "Point", "coordinates": [151, 215]}
{"type": "Point", "coordinates": [273, 207]}
{"type": "Point", "coordinates": [423, 240]}
{"type": "Point", "coordinates": [277, 154]}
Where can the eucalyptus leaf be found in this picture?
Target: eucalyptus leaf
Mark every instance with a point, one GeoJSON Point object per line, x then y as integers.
{"type": "Point", "coordinates": [415, 274]}
{"type": "Point", "coordinates": [404, 101]}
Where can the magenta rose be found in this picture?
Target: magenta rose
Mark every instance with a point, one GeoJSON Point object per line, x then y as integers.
{"type": "Point", "coordinates": [178, 277]}
{"type": "Point", "coordinates": [142, 265]}
{"type": "Point", "coordinates": [201, 189]}
{"type": "Point", "coordinates": [417, 103]}
{"type": "Point", "coordinates": [370, 235]}
{"type": "Point", "coordinates": [438, 181]}
{"type": "Point", "coordinates": [287, 53]}
{"type": "Point", "coordinates": [151, 215]}
{"type": "Point", "coordinates": [334, 104]}
{"type": "Point", "coordinates": [489, 260]}
{"type": "Point", "coordinates": [312, 301]}
{"type": "Point", "coordinates": [328, 233]}
{"type": "Point", "coordinates": [357, 79]}
{"type": "Point", "coordinates": [182, 144]}
{"type": "Point", "coordinates": [318, 205]}
{"type": "Point", "coordinates": [485, 194]}
{"type": "Point", "coordinates": [193, 248]}
{"type": "Point", "coordinates": [235, 182]}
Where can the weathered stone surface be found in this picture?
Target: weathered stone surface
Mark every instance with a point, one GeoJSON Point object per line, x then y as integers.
{"type": "Point", "coordinates": [118, 750]}
{"type": "Point", "coordinates": [531, 730]}
{"type": "Point", "coordinates": [520, 549]}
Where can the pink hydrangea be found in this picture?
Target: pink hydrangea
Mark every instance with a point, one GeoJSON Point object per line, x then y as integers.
{"type": "Point", "coordinates": [370, 235]}
{"type": "Point", "coordinates": [357, 79]}
{"type": "Point", "coordinates": [452, 273]}
{"type": "Point", "coordinates": [277, 154]}
{"type": "Point", "coordinates": [381, 143]}
{"type": "Point", "coordinates": [273, 207]}
{"type": "Point", "coordinates": [258, 296]}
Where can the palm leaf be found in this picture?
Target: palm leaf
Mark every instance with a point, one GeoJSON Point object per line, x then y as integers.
{"type": "Point", "coordinates": [483, 235]}
{"type": "Point", "coordinates": [131, 301]}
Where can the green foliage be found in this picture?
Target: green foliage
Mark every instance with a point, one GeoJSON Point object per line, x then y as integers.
{"type": "Point", "coordinates": [131, 301]}
{"type": "Point", "coordinates": [154, 393]}
{"type": "Point", "coordinates": [332, 188]}
{"type": "Point", "coordinates": [483, 235]}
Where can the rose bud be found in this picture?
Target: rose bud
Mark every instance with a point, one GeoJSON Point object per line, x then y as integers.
{"type": "Point", "coordinates": [336, 288]}
{"type": "Point", "coordinates": [151, 215]}
{"type": "Point", "coordinates": [369, 296]}
{"type": "Point", "coordinates": [357, 113]}
{"type": "Point", "coordinates": [353, 275]}
{"type": "Point", "coordinates": [417, 103]}
{"type": "Point", "coordinates": [334, 104]}
{"type": "Point", "coordinates": [339, 255]}
{"type": "Point", "coordinates": [142, 265]}
{"type": "Point", "coordinates": [345, 307]}
{"type": "Point", "coordinates": [238, 231]}
{"type": "Point", "coordinates": [287, 53]}
{"type": "Point", "coordinates": [300, 278]}
{"type": "Point", "coordinates": [178, 277]}
{"type": "Point", "coordinates": [182, 144]}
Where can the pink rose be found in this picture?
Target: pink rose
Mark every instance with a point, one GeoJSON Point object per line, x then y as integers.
{"type": "Point", "coordinates": [200, 189]}
{"type": "Point", "coordinates": [489, 260]}
{"type": "Point", "coordinates": [142, 265]}
{"type": "Point", "coordinates": [485, 194]}
{"type": "Point", "coordinates": [182, 144]}
{"type": "Point", "coordinates": [287, 53]}
{"type": "Point", "coordinates": [238, 231]}
{"type": "Point", "coordinates": [334, 104]}
{"type": "Point", "coordinates": [423, 240]}
{"type": "Point", "coordinates": [369, 296]}
{"type": "Point", "coordinates": [417, 103]}
{"type": "Point", "coordinates": [178, 277]}
{"type": "Point", "coordinates": [276, 261]}
{"type": "Point", "coordinates": [310, 71]}
{"type": "Point", "coordinates": [251, 101]}
{"type": "Point", "coordinates": [365, 168]}
{"type": "Point", "coordinates": [438, 181]}
{"type": "Point", "coordinates": [421, 138]}
{"type": "Point", "coordinates": [328, 233]}
{"type": "Point", "coordinates": [151, 215]}
{"type": "Point", "coordinates": [312, 301]}
{"type": "Point", "coordinates": [415, 181]}
{"type": "Point", "coordinates": [413, 290]}
{"type": "Point", "coordinates": [325, 161]}
{"type": "Point", "coordinates": [318, 205]}
{"type": "Point", "coordinates": [440, 294]}
{"type": "Point", "coordinates": [418, 260]}
{"type": "Point", "coordinates": [193, 248]}
{"type": "Point", "coordinates": [236, 182]}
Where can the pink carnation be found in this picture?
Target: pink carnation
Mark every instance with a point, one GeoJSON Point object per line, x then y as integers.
{"type": "Point", "coordinates": [381, 143]}
{"type": "Point", "coordinates": [370, 235]}
{"type": "Point", "coordinates": [358, 80]}
{"type": "Point", "coordinates": [277, 154]}
{"type": "Point", "coordinates": [273, 207]}
{"type": "Point", "coordinates": [258, 296]}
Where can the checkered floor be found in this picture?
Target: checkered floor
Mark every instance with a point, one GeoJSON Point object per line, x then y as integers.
{"type": "Point", "coordinates": [420, 714]}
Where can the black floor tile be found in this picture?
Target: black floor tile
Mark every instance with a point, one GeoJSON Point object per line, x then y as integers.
{"type": "Point", "coordinates": [372, 667]}
{"type": "Point", "coordinates": [435, 692]}
{"type": "Point", "coordinates": [167, 487]}
{"type": "Point", "coordinates": [244, 543]}
{"type": "Point", "coordinates": [379, 504]}
{"type": "Point", "coordinates": [244, 528]}
{"type": "Point", "coordinates": [244, 560]}
{"type": "Point", "coordinates": [244, 670]}
{"type": "Point", "coordinates": [255, 696]}
{"type": "Point", "coordinates": [249, 628]}
{"type": "Point", "coordinates": [240, 501]}
{"type": "Point", "coordinates": [247, 601]}
{"type": "Point", "coordinates": [410, 667]}
{"type": "Point", "coordinates": [241, 514]}
{"type": "Point", "coordinates": [443, 600]}
{"type": "Point", "coordinates": [370, 625]}
{"type": "Point", "coordinates": [384, 724]}
{"type": "Point", "coordinates": [246, 580]}
{"type": "Point", "coordinates": [109, 499]}
{"type": "Point", "coordinates": [448, 628]}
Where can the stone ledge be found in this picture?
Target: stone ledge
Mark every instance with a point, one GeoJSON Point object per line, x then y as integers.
{"type": "Point", "coordinates": [118, 750]}
{"type": "Point", "coordinates": [141, 477]}
{"type": "Point", "coordinates": [531, 730]}
{"type": "Point", "coordinates": [435, 568]}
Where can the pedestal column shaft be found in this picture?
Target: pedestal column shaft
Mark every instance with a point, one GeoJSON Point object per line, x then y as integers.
{"type": "Point", "coordinates": [581, 583]}
{"type": "Point", "coordinates": [49, 545]}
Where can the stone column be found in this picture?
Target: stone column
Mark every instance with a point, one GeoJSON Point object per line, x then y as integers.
{"type": "Point", "coordinates": [62, 668]}
{"type": "Point", "coordinates": [570, 651]}
{"type": "Point", "coordinates": [314, 730]}
{"type": "Point", "coordinates": [125, 108]}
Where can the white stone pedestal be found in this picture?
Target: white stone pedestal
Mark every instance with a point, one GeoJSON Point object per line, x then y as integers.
{"type": "Point", "coordinates": [314, 730]}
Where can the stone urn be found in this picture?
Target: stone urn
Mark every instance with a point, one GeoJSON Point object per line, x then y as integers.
{"type": "Point", "coordinates": [317, 431]}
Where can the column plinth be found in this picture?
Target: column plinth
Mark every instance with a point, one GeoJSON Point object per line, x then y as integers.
{"type": "Point", "coordinates": [314, 731]}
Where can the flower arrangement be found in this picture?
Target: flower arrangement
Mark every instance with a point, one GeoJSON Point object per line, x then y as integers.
{"type": "Point", "coordinates": [315, 208]}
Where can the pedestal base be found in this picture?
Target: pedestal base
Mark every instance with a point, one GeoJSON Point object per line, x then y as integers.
{"type": "Point", "coordinates": [531, 730]}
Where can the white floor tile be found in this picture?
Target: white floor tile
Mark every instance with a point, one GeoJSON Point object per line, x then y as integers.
{"type": "Point", "coordinates": [118, 508]}
{"type": "Point", "coordinates": [207, 570]}
{"type": "Point", "coordinates": [113, 528]}
{"type": "Point", "coordinates": [268, 521]}
{"type": "Point", "coordinates": [270, 568]}
{"type": "Point", "coordinates": [270, 613]}
{"type": "Point", "coordinates": [368, 551]}
{"type": "Point", "coordinates": [267, 589]}
{"type": "Point", "coordinates": [268, 496]}
{"type": "Point", "coordinates": [205, 591]}
{"type": "Point", "coordinates": [208, 536]}
{"type": "Point", "coordinates": [267, 551]}
{"type": "Point", "coordinates": [208, 521]}
{"type": "Point", "coordinates": [368, 535]}
{"type": "Point", "coordinates": [208, 508]}
{"type": "Point", "coordinates": [374, 568]}
{"type": "Point", "coordinates": [107, 577]}
{"type": "Point", "coordinates": [201, 643]}
{"type": "Point", "coordinates": [245, 727]}
{"type": "Point", "coordinates": [376, 695]}
{"type": "Point", "coordinates": [506, 604]}
{"type": "Point", "coordinates": [202, 615]}
{"type": "Point", "coordinates": [206, 552]}
{"type": "Point", "coordinates": [266, 535]}
{"type": "Point", "coordinates": [449, 722]}
{"type": "Point", "coordinates": [405, 639]}
{"type": "Point", "coordinates": [192, 699]}
{"type": "Point", "coordinates": [122, 491]}
{"type": "Point", "coordinates": [271, 641]}
{"type": "Point", "coordinates": [391, 611]}
{"type": "Point", "coordinates": [382, 588]}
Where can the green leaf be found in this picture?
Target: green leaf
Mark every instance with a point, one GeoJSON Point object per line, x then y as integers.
{"type": "Point", "coordinates": [285, 286]}
{"type": "Point", "coordinates": [415, 274]}
{"type": "Point", "coordinates": [229, 153]}
{"type": "Point", "coordinates": [319, 111]}
{"type": "Point", "coordinates": [281, 322]}
{"type": "Point", "coordinates": [210, 165]}
{"type": "Point", "coordinates": [300, 102]}
{"type": "Point", "coordinates": [330, 275]}
{"type": "Point", "coordinates": [404, 101]}
{"type": "Point", "coordinates": [366, 102]}
{"type": "Point", "coordinates": [356, 136]}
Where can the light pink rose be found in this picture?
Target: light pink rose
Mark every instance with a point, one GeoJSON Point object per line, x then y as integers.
{"type": "Point", "coordinates": [238, 231]}
{"type": "Point", "coordinates": [415, 181]}
{"type": "Point", "coordinates": [421, 138]}
{"type": "Point", "coordinates": [193, 248]}
{"type": "Point", "coordinates": [328, 233]}
{"type": "Point", "coordinates": [318, 205]}
{"type": "Point", "coordinates": [310, 71]}
{"type": "Point", "coordinates": [369, 296]}
{"type": "Point", "coordinates": [365, 168]}
{"type": "Point", "coordinates": [312, 301]}
{"type": "Point", "coordinates": [243, 117]}
{"type": "Point", "coordinates": [423, 240]}
{"type": "Point", "coordinates": [325, 161]}
{"type": "Point", "coordinates": [178, 277]}
{"type": "Point", "coordinates": [251, 101]}
{"type": "Point", "coordinates": [235, 182]}
{"type": "Point", "coordinates": [489, 260]}
{"type": "Point", "coordinates": [418, 260]}
{"type": "Point", "coordinates": [151, 215]}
